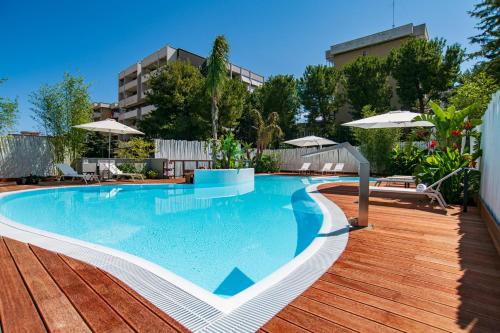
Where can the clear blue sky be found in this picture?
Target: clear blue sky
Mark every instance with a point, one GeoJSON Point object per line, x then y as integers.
{"type": "Point", "coordinates": [43, 39]}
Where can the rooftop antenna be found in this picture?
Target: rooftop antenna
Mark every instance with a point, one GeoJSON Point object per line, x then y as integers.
{"type": "Point", "coordinates": [393, 13]}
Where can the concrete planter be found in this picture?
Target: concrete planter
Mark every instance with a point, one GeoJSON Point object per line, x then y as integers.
{"type": "Point", "coordinates": [222, 177]}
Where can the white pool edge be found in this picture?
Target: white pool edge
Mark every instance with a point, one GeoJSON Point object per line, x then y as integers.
{"type": "Point", "coordinates": [213, 310]}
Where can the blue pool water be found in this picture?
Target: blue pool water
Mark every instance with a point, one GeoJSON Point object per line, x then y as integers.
{"type": "Point", "coordinates": [224, 239]}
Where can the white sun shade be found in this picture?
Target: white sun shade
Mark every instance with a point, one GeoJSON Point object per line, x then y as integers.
{"type": "Point", "coordinates": [310, 141]}
{"type": "Point", "coordinates": [109, 126]}
{"type": "Point", "coordinates": [392, 119]}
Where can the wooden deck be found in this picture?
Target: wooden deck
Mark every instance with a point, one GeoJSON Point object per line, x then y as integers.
{"type": "Point", "coordinates": [418, 270]}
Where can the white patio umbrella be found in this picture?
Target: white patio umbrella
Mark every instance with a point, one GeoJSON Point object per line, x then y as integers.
{"type": "Point", "coordinates": [311, 141]}
{"type": "Point", "coordinates": [392, 119]}
{"type": "Point", "coordinates": [109, 126]}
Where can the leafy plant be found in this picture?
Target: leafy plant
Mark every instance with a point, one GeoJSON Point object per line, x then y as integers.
{"type": "Point", "coordinates": [449, 123]}
{"type": "Point", "coordinates": [138, 148]}
{"type": "Point", "coordinates": [268, 163]}
{"type": "Point", "coordinates": [152, 174]}
{"type": "Point", "coordinates": [404, 160]}
{"type": "Point", "coordinates": [128, 168]}
{"type": "Point", "coordinates": [440, 164]}
{"type": "Point", "coordinates": [227, 152]}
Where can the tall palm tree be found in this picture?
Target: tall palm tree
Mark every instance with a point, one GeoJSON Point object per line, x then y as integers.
{"type": "Point", "coordinates": [267, 131]}
{"type": "Point", "coordinates": [216, 76]}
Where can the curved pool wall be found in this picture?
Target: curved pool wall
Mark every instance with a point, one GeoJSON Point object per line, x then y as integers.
{"type": "Point", "coordinates": [194, 307]}
{"type": "Point", "coordinates": [223, 177]}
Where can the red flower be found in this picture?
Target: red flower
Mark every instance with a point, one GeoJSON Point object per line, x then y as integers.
{"type": "Point", "coordinates": [467, 126]}
{"type": "Point", "coordinates": [456, 133]}
{"type": "Point", "coordinates": [433, 144]}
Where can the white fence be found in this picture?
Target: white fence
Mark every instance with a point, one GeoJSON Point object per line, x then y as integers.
{"type": "Point", "coordinates": [490, 161]}
{"type": "Point", "coordinates": [182, 150]}
{"type": "Point", "coordinates": [24, 155]}
{"type": "Point", "coordinates": [291, 159]}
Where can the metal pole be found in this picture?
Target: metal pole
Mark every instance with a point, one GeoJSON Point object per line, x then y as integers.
{"type": "Point", "coordinates": [364, 178]}
{"type": "Point", "coordinates": [466, 189]}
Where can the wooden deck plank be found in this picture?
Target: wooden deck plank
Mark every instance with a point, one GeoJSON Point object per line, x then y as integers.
{"type": "Point", "coordinates": [17, 310]}
{"type": "Point", "coordinates": [139, 317]}
{"type": "Point", "coordinates": [96, 312]}
{"type": "Point", "coordinates": [148, 304]}
{"type": "Point", "coordinates": [45, 292]}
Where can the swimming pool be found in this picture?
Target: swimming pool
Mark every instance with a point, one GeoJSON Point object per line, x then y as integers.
{"type": "Point", "coordinates": [222, 240]}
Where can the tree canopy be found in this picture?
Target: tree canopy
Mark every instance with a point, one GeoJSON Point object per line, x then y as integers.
{"type": "Point", "coordinates": [366, 83]}
{"type": "Point", "coordinates": [182, 106]}
{"type": "Point", "coordinates": [319, 94]}
{"type": "Point", "coordinates": [279, 94]}
{"type": "Point", "coordinates": [59, 107]}
{"type": "Point", "coordinates": [424, 69]}
{"type": "Point", "coordinates": [488, 13]}
{"type": "Point", "coordinates": [8, 112]}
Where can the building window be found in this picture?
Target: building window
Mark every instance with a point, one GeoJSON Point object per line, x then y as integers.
{"type": "Point", "coordinates": [365, 53]}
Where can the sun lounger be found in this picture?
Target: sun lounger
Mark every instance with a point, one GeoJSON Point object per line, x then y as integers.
{"type": "Point", "coordinates": [432, 191]}
{"type": "Point", "coordinates": [327, 168]}
{"type": "Point", "coordinates": [68, 172]}
{"type": "Point", "coordinates": [118, 173]}
{"type": "Point", "coordinates": [304, 168]}
{"type": "Point", "coordinates": [339, 167]}
{"type": "Point", "coordinates": [407, 180]}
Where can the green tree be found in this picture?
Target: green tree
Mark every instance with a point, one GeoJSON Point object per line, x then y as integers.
{"type": "Point", "coordinates": [423, 70]}
{"type": "Point", "coordinates": [319, 94]}
{"type": "Point", "coordinates": [376, 144]}
{"type": "Point", "coordinates": [279, 94]}
{"type": "Point", "coordinates": [216, 76]}
{"type": "Point", "coordinates": [267, 131]}
{"type": "Point", "coordinates": [233, 104]}
{"type": "Point", "coordinates": [59, 107]}
{"type": "Point", "coordinates": [488, 13]}
{"type": "Point", "coordinates": [8, 112]}
{"type": "Point", "coordinates": [182, 105]}
{"type": "Point", "coordinates": [366, 83]}
{"type": "Point", "coordinates": [475, 88]}
{"type": "Point", "coordinates": [137, 148]}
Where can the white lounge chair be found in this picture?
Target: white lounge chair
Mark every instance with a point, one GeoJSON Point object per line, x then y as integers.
{"type": "Point", "coordinates": [432, 191]}
{"type": "Point", "coordinates": [339, 167]}
{"type": "Point", "coordinates": [407, 180]}
{"type": "Point", "coordinates": [304, 168]}
{"type": "Point", "coordinates": [68, 172]}
{"type": "Point", "coordinates": [326, 168]}
{"type": "Point", "coordinates": [118, 173]}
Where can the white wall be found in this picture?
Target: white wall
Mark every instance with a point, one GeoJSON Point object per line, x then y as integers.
{"type": "Point", "coordinates": [24, 155]}
{"type": "Point", "coordinates": [490, 161]}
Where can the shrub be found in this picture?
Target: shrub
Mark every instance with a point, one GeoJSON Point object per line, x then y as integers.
{"type": "Point", "coordinates": [440, 164]}
{"type": "Point", "coordinates": [135, 148]}
{"type": "Point", "coordinates": [268, 163]}
{"type": "Point", "coordinates": [404, 160]}
{"type": "Point", "coordinates": [127, 168]}
{"type": "Point", "coordinates": [152, 174]}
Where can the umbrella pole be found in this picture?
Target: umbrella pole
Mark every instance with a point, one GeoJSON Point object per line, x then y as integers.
{"type": "Point", "coordinates": [109, 155]}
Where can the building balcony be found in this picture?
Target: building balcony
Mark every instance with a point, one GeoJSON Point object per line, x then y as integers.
{"type": "Point", "coordinates": [128, 115]}
{"type": "Point", "coordinates": [147, 109]}
{"type": "Point", "coordinates": [128, 101]}
{"type": "Point", "coordinates": [132, 85]}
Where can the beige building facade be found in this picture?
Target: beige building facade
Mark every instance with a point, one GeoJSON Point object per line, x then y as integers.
{"type": "Point", "coordinates": [380, 45]}
{"type": "Point", "coordinates": [133, 84]}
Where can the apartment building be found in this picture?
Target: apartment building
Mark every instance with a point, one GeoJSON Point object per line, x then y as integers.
{"type": "Point", "coordinates": [379, 44]}
{"type": "Point", "coordinates": [133, 84]}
